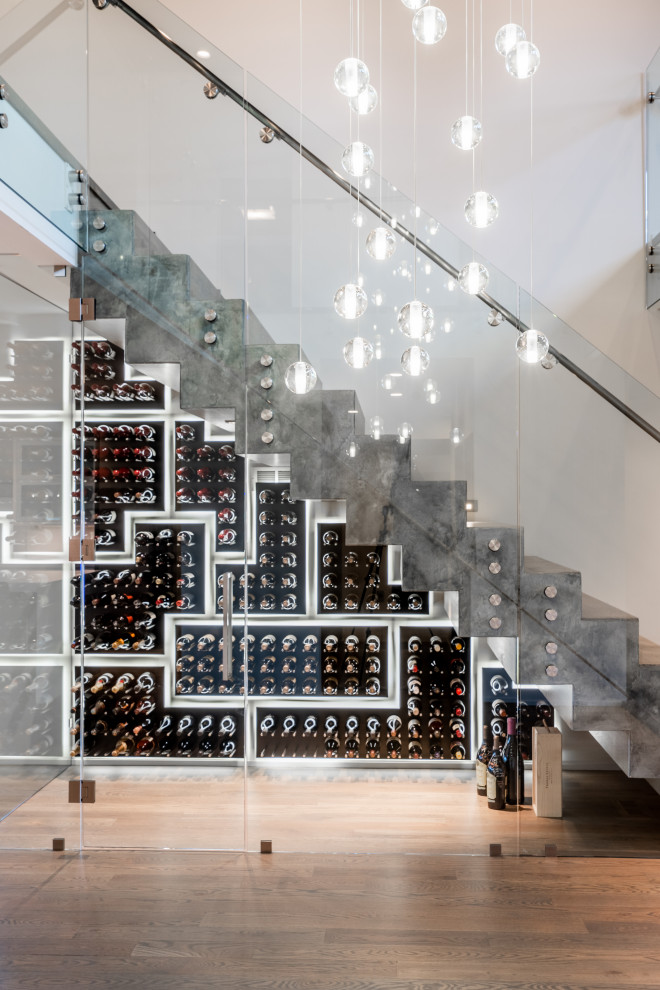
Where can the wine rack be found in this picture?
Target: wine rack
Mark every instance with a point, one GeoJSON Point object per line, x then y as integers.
{"type": "Point", "coordinates": [124, 606]}
{"type": "Point", "coordinates": [430, 723]}
{"type": "Point", "coordinates": [120, 468]}
{"type": "Point", "coordinates": [313, 733]}
{"type": "Point", "coordinates": [285, 662]}
{"type": "Point", "coordinates": [276, 581]}
{"type": "Point", "coordinates": [125, 715]}
{"type": "Point", "coordinates": [354, 579]}
{"type": "Point", "coordinates": [346, 663]}
{"type": "Point", "coordinates": [37, 379]}
{"type": "Point", "coordinates": [209, 475]}
{"type": "Point", "coordinates": [106, 383]}
{"type": "Point", "coordinates": [435, 680]}
{"type": "Point", "coordinates": [501, 699]}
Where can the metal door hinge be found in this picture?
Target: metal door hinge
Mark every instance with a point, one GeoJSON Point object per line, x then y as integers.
{"type": "Point", "coordinates": [82, 309]}
{"type": "Point", "coordinates": [81, 549]}
{"type": "Point", "coordinates": [82, 792]}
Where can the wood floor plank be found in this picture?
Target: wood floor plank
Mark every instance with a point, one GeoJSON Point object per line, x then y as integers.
{"type": "Point", "coordinates": [186, 921]}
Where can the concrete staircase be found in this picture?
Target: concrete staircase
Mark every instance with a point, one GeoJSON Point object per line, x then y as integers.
{"type": "Point", "coordinates": [584, 654]}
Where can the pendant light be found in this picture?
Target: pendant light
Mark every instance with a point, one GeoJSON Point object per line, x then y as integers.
{"type": "Point", "coordinates": [466, 130]}
{"type": "Point", "coordinates": [351, 300]}
{"type": "Point", "coordinates": [415, 319]}
{"type": "Point", "coordinates": [429, 25]}
{"type": "Point", "coordinates": [508, 37]}
{"type": "Point", "coordinates": [532, 345]}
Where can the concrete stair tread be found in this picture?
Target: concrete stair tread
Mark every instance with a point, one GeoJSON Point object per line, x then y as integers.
{"type": "Point", "coordinates": [593, 608]}
{"type": "Point", "coordinates": [649, 652]}
{"type": "Point", "coordinates": [538, 565]}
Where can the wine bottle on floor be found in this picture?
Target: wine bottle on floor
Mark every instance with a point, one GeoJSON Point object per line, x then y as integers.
{"type": "Point", "coordinates": [514, 766]}
{"type": "Point", "coordinates": [495, 786]}
{"type": "Point", "coordinates": [483, 756]}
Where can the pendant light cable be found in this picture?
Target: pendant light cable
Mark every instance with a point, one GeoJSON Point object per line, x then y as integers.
{"type": "Point", "coordinates": [300, 160]}
{"type": "Point", "coordinates": [531, 177]}
{"type": "Point", "coordinates": [415, 168]}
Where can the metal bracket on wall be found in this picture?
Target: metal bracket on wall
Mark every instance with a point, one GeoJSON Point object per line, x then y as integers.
{"type": "Point", "coordinates": [82, 309]}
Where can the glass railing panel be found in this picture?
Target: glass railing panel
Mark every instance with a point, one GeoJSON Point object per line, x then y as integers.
{"type": "Point", "coordinates": [587, 475]}
{"type": "Point", "coordinates": [44, 141]}
{"type": "Point", "coordinates": [35, 658]}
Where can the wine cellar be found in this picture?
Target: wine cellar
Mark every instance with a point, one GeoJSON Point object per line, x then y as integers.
{"type": "Point", "coordinates": [329, 656]}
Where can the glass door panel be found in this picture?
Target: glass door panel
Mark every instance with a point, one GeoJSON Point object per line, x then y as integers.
{"type": "Point", "coordinates": [35, 658]}
{"type": "Point", "coordinates": [367, 710]}
{"type": "Point", "coordinates": [164, 502]}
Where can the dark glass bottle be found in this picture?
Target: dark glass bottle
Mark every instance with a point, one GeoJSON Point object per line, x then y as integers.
{"type": "Point", "coordinates": [483, 756]}
{"type": "Point", "coordinates": [514, 766]}
{"type": "Point", "coordinates": [495, 778]}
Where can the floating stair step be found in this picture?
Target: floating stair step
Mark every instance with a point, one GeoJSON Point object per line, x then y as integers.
{"type": "Point", "coordinates": [649, 652]}
{"type": "Point", "coordinates": [593, 608]}
{"type": "Point", "coordinates": [538, 565]}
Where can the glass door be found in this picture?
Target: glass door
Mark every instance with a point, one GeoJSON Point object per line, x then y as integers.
{"type": "Point", "coordinates": [164, 512]}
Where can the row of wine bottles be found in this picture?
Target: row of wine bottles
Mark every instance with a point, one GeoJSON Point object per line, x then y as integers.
{"type": "Point", "coordinates": [500, 769]}
{"type": "Point", "coordinates": [311, 662]}
{"type": "Point", "coordinates": [123, 716]}
{"type": "Point", "coordinates": [353, 736]}
{"type": "Point", "coordinates": [104, 373]}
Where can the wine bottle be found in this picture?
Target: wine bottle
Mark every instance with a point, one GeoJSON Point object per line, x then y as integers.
{"type": "Point", "coordinates": [311, 725]}
{"type": "Point", "coordinates": [514, 766]}
{"type": "Point", "coordinates": [495, 778]}
{"type": "Point", "coordinates": [483, 756]}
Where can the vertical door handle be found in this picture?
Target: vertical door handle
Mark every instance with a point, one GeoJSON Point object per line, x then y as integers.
{"type": "Point", "coordinates": [227, 608]}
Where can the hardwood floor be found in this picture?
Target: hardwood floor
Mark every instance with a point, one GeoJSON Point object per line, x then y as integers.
{"type": "Point", "coordinates": [326, 809]}
{"type": "Point", "coordinates": [130, 920]}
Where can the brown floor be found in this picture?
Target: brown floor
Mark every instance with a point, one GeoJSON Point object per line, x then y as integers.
{"type": "Point", "coordinates": [127, 920]}
{"type": "Point", "coordinates": [326, 809]}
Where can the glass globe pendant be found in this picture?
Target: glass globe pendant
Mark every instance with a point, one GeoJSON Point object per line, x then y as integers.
{"type": "Point", "coordinates": [429, 25]}
{"type": "Point", "coordinates": [405, 432]}
{"type": "Point", "coordinates": [381, 243]}
{"type": "Point", "coordinates": [376, 427]}
{"type": "Point", "coordinates": [481, 209]}
{"type": "Point", "coordinates": [350, 301]}
{"type": "Point", "coordinates": [414, 4]}
{"type": "Point", "coordinates": [300, 378]}
{"type": "Point", "coordinates": [364, 102]}
{"type": "Point", "coordinates": [351, 77]}
{"type": "Point", "coordinates": [415, 320]}
{"type": "Point", "coordinates": [357, 159]}
{"type": "Point", "coordinates": [532, 346]}
{"type": "Point", "coordinates": [466, 133]}
{"type": "Point", "coordinates": [508, 37]}
{"type": "Point", "coordinates": [358, 352]}
{"type": "Point", "coordinates": [473, 278]}
{"type": "Point", "coordinates": [523, 60]}
{"type": "Point", "coordinates": [415, 361]}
